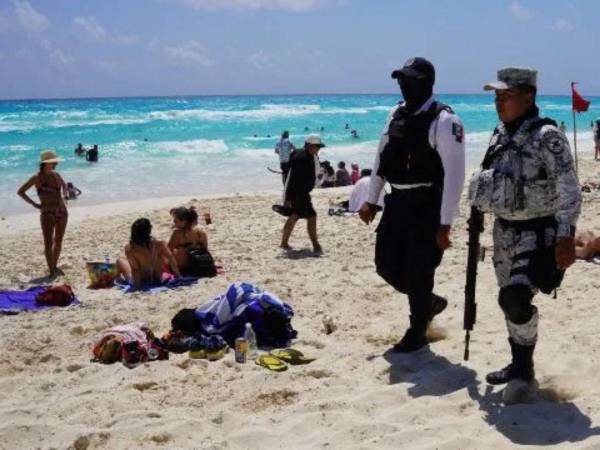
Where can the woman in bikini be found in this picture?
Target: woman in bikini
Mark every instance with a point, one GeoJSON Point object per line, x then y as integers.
{"type": "Point", "coordinates": [146, 258]}
{"type": "Point", "coordinates": [186, 234]}
{"type": "Point", "coordinates": [51, 190]}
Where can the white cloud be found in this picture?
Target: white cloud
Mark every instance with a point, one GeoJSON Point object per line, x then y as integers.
{"type": "Point", "coordinates": [29, 18]}
{"type": "Point", "coordinates": [519, 11]}
{"type": "Point", "coordinates": [98, 33]}
{"type": "Point", "coordinates": [260, 60]}
{"type": "Point", "coordinates": [563, 25]}
{"type": "Point", "coordinates": [191, 54]}
{"type": "Point", "coordinates": [290, 5]}
{"type": "Point", "coordinates": [60, 59]}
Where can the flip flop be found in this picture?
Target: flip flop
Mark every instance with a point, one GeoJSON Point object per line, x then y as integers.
{"type": "Point", "coordinates": [291, 356]}
{"type": "Point", "coordinates": [271, 362]}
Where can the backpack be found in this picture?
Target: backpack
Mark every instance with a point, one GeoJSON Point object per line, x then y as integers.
{"type": "Point", "coordinates": [61, 295]}
{"type": "Point", "coordinates": [200, 263]}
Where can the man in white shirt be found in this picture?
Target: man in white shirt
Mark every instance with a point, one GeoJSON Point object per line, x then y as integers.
{"type": "Point", "coordinates": [421, 155]}
{"type": "Point", "coordinates": [360, 192]}
{"type": "Point", "coordinates": [284, 149]}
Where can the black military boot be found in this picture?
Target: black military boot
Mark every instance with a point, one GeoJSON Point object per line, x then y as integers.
{"type": "Point", "coordinates": [414, 338]}
{"type": "Point", "coordinates": [521, 366]}
{"type": "Point", "coordinates": [438, 304]}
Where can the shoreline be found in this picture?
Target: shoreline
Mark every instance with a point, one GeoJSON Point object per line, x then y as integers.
{"type": "Point", "coordinates": [15, 223]}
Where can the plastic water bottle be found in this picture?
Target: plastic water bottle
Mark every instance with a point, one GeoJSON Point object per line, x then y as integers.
{"type": "Point", "coordinates": [250, 337]}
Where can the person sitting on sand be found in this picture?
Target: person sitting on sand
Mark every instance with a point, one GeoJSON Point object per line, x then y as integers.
{"type": "Point", "coordinates": [342, 177]}
{"type": "Point", "coordinates": [72, 191]}
{"type": "Point", "coordinates": [146, 258]}
{"type": "Point", "coordinates": [51, 190]}
{"type": "Point", "coordinates": [326, 175]}
{"type": "Point", "coordinates": [355, 174]}
{"type": "Point", "coordinates": [587, 245]}
{"type": "Point", "coordinates": [186, 235]}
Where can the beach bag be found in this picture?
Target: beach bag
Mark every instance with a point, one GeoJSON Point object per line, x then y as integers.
{"type": "Point", "coordinates": [61, 295]}
{"type": "Point", "coordinates": [200, 263]}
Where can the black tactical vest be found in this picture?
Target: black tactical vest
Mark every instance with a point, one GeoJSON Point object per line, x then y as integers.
{"type": "Point", "coordinates": [408, 158]}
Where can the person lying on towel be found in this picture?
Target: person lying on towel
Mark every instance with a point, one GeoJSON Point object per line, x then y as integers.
{"type": "Point", "coordinates": [587, 245]}
{"type": "Point", "coordinates": [148, 260]}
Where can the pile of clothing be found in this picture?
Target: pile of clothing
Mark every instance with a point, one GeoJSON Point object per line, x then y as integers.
{"type": "Point", "coordinates": [227, 314]}
{"type": "Point", "coordinates": [206, 332]}
{"type": "Point", "coordinates": [131, 344]}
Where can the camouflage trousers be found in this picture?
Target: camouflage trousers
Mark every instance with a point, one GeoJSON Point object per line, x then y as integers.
{"type": "Point", "coordinates": [513, 248]}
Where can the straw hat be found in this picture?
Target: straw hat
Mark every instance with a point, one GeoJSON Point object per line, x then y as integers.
{"type": "Point", "coordinates": [49, 157]}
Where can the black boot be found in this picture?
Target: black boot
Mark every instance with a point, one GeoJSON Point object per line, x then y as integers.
{"type": "Point", "coordinates": [438, 304]}
{"type": "Point", "coordinates": [521, 366]}
{"type": "Point", "coordinates": [414, 338]}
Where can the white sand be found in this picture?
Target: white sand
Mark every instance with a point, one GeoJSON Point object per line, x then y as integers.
{"type": "Point", "coordinates": [356, 395]}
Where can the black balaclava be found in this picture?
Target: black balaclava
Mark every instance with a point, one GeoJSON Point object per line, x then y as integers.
{"type": "Point", "coordinates": [415, 91]}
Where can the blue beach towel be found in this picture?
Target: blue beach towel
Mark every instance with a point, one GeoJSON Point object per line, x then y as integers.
{"type": "Point", "coordinates": [227, 314]}
{"type": "Point", "coordinates": [127, 287]}
{"type": "Point", "coordinates": [13, 302]}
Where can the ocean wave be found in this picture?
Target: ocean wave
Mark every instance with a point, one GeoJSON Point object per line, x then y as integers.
{"type": "Point", "coordinates": [195, 146]}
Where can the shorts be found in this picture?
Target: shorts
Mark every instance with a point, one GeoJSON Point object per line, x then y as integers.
{"type": "Point", "coordinates": [302, 207]}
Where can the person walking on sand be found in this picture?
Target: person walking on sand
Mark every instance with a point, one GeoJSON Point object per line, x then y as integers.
{"type": "Point", "coordinates": [284, 149]}
{"type": "Point", "coordinates": [51, 191]}
{"type": "Point", "coordinates": [596, 133]}
{"type": "Point", "coordinates": [304, 165]}
{"type": "Point", "coordinates": [422, 155]}
{"type": "Point", "coordinates": [528, 182]}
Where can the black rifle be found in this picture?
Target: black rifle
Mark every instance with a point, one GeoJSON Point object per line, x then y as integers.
{"type": "Point", "coordinates": [475, 227]}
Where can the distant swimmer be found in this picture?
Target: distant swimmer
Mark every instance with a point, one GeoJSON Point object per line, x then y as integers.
{"type": "Point", "coordinates": [80, 151]}
{"type": "Point", "coordinates": [563, 127]}
{"type": "Point", "coordinates": [92, 154]}
{"type": "Point", "coordinates": [322, 129]}
{"type": "Point", "coordinates": [354, 134]}
{"type": "Point", "coordinates": [72, 191]}
{"type": "Point", "coordinates": [305, 128]}
{"type": "Point", "coordinates": [145, 139]}
{"type": "Point", "coordinates": [347, 127]}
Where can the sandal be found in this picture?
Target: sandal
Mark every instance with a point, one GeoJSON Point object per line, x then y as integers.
{"type": "Point", "coordinates": [271, 362]}
{"type": "Point", "coordinates": [291, 356]}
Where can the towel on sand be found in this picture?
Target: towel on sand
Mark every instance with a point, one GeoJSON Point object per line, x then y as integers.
{"type": "Point", "coordinates": [169, 283]}
{"type": "Point", "coordinates": [13, 302]}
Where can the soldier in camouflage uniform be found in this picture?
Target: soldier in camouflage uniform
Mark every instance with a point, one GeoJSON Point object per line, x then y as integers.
{"type": "Point", "coordinates": [528, 182]}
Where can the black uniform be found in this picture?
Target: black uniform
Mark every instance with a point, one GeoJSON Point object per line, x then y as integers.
{"type": "Point", "coordinates": [300, 182]}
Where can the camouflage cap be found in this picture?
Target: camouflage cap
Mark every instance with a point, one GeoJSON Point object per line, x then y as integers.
{"type": "Point", "coordinates": [510, 77]}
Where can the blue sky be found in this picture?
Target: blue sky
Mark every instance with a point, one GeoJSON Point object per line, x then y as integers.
{"type": "Point", "coordinates": [94, 48]}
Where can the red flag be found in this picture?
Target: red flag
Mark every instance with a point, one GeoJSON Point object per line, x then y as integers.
{"type": "Point", "coordinates": [580, 104]}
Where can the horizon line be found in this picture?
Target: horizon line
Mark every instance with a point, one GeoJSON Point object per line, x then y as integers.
{"type": "Point", "coordinates": [114, 97]}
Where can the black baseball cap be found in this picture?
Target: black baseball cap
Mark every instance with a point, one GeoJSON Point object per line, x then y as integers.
{"type": "Point", "coordinates": [415, 68]}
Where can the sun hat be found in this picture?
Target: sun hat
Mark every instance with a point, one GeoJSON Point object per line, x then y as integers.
{"type": "Point", "coordinates": [314, 139]}
{"type": "Point", "coordinates": [49, 157]}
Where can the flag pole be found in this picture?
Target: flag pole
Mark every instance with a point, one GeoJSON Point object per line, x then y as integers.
{"type": "Point", "coordinates": [575, 143]}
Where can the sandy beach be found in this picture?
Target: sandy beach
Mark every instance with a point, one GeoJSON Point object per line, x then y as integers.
{"type": "Point", "coordinates": [355, 395]}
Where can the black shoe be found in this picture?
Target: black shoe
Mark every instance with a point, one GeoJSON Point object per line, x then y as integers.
{"type": "Point", "coordinates": [411, 342]}
{"type": "Point", "coordinates": [521, 366]}
{"type": "Point", "coordinates": [509, 373]}
{"type": "Point", "coordinates": [438, 304]}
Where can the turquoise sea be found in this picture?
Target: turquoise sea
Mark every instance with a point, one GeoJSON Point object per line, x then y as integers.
{"type": "Point", "coordinates": [210, 145]}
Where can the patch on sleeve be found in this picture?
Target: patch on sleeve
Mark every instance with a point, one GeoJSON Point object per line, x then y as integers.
{"type": "Point", "coordinates": [555, 141]}
{"type": "Point", "coordinates": [458, 132]}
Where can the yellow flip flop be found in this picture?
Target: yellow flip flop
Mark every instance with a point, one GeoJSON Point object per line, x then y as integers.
{"type": "Point", "coordinates": [271, 362]}
{"type": "Point", "coordinates": [291, 356]}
